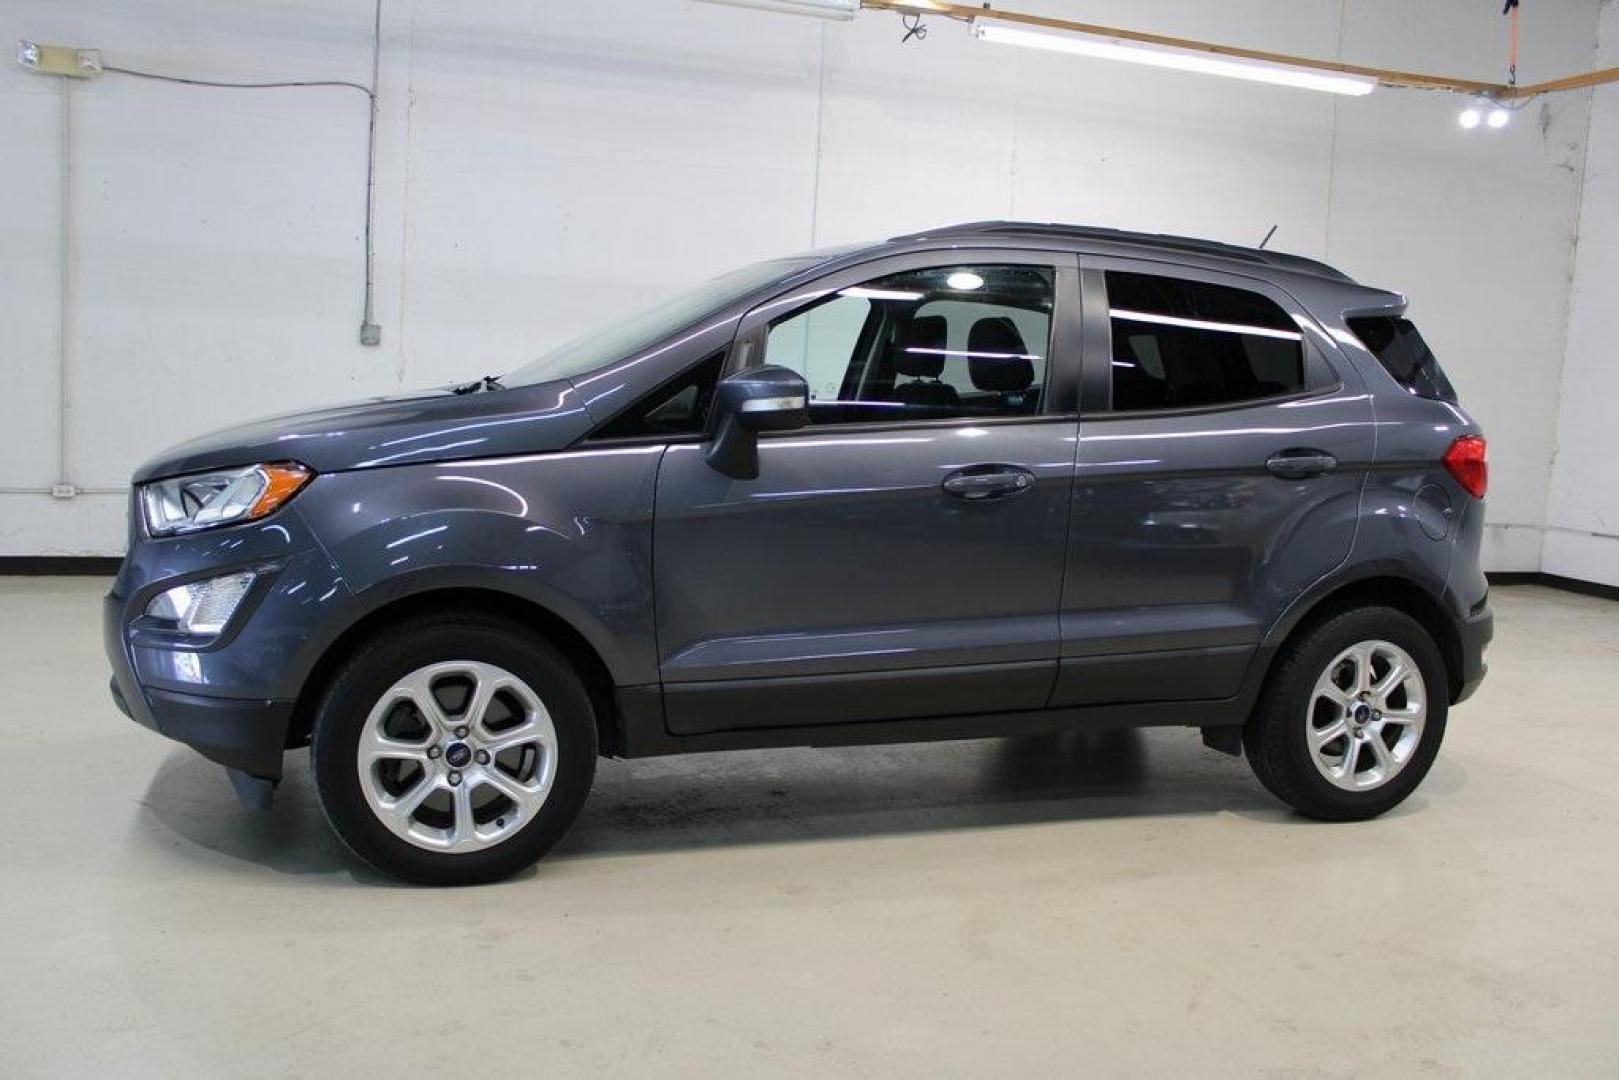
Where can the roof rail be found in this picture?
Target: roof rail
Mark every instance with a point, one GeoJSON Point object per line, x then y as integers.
{"type": "Point", "coordinates": [1121, 236]}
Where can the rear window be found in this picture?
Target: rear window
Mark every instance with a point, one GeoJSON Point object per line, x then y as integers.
{"type": "Point", "coordinates": [1399, 347]}
{"type": "Point", "coordinates": [1181, 344]}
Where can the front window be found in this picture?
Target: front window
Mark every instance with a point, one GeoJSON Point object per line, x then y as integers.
{"type": "Point", "coordinates": [625, 337]}
{"type": "Point", "coordinates": [935, 343]}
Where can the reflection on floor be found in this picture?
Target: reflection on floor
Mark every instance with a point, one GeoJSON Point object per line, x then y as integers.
{"type": "Point", "coordinates": [774, 796]}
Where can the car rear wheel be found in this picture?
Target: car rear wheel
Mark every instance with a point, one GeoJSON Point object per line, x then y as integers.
{"type": "Point", "coordinates": [454, 750]}
{"type": "Point", "coordinates": [1352, 715]}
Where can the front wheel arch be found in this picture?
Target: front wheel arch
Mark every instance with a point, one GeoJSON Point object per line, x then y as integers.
{"type": "Point", "coordinates": [592, 670]}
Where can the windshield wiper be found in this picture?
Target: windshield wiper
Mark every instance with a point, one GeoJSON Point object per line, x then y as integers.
{"type": "Point", "coordinates": [488, 382]}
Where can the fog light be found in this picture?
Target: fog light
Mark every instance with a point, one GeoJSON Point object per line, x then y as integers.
{"type": "Point", "coordinates": [201, 607]}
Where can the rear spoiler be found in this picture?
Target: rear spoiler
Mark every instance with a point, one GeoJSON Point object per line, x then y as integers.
{"type": "Point", "coordinates": [1377, 302]}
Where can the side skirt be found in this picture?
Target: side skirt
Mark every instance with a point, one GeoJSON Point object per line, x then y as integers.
{"type": "Point", "coordinates": [641, 720]}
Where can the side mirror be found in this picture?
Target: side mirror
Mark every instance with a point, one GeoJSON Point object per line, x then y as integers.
{"type": "Point", "coordinates": [767, 398]}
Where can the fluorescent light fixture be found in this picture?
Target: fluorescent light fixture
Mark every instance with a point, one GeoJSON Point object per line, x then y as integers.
{"type": "Point", "coordinates": [971, 355]}
{"type": "Point", "coordinates": [820, 9]}
{"type": "Point", "coordinates": [863, 292]}
{"type": "Point", "coordinates": [1163, 56]}
{"type": "Point", "coordinates": [1204, 324]}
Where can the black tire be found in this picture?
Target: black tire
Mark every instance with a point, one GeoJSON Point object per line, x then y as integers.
{"type": "Point", "coordinates": [1275, 738]}
{"type": "Point", "coordinates": [406, 647]}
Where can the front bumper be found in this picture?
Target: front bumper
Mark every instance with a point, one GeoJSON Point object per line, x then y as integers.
{"type": "Point", "coordinates": [1476, 632]}
{"type": "Point", "coordinates": [231, 698]}
{"type": "Point", "coordinates": [246, 735]}
{"type": "Point", "coordinates": [249, 734]}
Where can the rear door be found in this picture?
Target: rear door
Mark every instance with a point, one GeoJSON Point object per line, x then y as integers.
{"type": "Point", "coordinates": [1223, 444]}
{"type": "Point", "coordinates": [903, 555]}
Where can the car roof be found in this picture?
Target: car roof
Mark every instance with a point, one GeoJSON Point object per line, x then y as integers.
{"type": "Point", "coordinates": [1081, 237]}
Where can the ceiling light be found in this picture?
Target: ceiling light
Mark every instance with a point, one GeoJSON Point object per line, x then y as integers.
{"type": "Point", "coordinates": [1179, 59]}
{"type": "Point", "coordinates": [1484, 111]}
{"type": "Point", "coordinates": [821, 9]}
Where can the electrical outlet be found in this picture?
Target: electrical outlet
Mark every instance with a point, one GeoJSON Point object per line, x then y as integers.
{"type": "Point", "coordinates": [67, 60]}
{"type": "Point", "coordinates": [63, 491]}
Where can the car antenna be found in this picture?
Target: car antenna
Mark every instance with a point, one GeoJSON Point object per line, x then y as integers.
{"type": "Point", "coordinates": [1268, 235]}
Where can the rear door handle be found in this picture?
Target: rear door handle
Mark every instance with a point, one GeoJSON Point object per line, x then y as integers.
{"type": "Point", "coordinates": [1300, 464]}
{"type": "Point", "coordinates": [976, 483]}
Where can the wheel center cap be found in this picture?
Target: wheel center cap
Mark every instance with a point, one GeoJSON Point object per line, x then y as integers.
{"type": "Point", "coordinates": [1361, 713]}
{"type": "Point", "coordinates": [458, 755]}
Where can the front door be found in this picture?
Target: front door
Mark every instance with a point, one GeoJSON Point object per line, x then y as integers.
{"type": "Point", "coordinates": [902, 556]}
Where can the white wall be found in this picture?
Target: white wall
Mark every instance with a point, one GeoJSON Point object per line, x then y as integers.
{"type": "Point", "coordinates": [538, 173]}
{"type": "Point", "coordinates": [1582, 512]}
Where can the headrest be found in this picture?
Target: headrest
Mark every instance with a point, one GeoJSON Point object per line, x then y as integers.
{"type": "Point", "coordinates": [997, 358]}
{"type": "Point", "coordinates": [929, 333]}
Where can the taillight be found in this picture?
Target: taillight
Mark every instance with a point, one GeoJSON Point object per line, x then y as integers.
{"type": "Point", "coordinates": [1466, 461]}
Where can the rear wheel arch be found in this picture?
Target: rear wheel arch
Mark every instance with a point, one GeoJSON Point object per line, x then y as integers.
{"type": "Point", "coordinates": [578, 650]}
{"type": "Point", "coordinates": [1404, 594]}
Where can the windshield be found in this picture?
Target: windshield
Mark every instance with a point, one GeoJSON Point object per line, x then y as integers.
{"type": "Point", "coordinates": [624, 337]}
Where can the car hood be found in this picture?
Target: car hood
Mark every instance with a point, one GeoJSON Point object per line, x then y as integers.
{"type": "Point", "coordinates": [433, 425]}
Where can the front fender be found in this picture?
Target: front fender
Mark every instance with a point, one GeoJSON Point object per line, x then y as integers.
{"type": "Point", "coordinates": [569, 531]}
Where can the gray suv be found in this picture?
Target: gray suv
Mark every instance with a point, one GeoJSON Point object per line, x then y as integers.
{"type": "Point", "coordinates": [992, 479]}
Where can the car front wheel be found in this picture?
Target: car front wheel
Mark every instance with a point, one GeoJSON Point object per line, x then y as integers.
{"type": "Point", "coordinates": [1352, 715]}
{"type": "Point", "coordinates": [454, 750]}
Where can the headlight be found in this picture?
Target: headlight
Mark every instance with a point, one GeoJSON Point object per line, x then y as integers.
{"type": "Point", "coordinates": [206, 500]}
{"type": "Point", "coordinates": [201, 607]}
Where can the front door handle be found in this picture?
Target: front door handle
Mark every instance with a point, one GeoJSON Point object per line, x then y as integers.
{"type": "Point", "coordinates": [1300, 464]}
{"type": "Point", "coordinates": [976, 483]}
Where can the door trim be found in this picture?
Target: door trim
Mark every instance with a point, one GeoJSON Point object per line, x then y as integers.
{"type": "Point", "coordinates": [698, 708]}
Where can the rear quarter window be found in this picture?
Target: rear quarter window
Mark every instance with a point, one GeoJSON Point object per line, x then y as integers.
{"type": "Point", "coordinates": [1399, 347]}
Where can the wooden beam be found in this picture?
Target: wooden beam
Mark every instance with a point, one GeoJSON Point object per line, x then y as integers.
{"type": "Point", "coordinates": [1569, 82]}
{"type": "Point", "coordinates": [1413, 80]}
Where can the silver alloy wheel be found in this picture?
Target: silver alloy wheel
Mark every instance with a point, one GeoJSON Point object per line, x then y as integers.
{"type": "Point", "coordinates": [1364, 721]}
{"type": "Point", "coordinates": [457, 756]}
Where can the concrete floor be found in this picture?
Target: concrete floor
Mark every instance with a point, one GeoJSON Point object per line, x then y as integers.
{"type": "Point", "coordinates": [1118, 905]}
